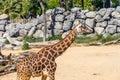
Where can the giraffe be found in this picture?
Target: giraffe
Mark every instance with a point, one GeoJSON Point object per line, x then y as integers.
{"type": "Point", "coordinates": [43, 62]}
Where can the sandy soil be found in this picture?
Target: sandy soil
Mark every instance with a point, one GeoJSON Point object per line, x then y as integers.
{"type": "Point", "coordinates": [84, 63]}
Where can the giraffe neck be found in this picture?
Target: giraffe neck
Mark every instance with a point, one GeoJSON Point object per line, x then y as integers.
{"type": "Point", "coordinates": [61, 46]}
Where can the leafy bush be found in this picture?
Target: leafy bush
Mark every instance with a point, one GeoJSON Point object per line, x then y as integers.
{"type": "Point", "coordinates": [25, 46]}
{"type": "Point", "coordinates": [7, 42]}
{"type": "Point", "coordinates": [54, 38]}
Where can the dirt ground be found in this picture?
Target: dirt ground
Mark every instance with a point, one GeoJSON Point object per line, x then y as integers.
{"type": "Point", "coordinates": [84, 63]}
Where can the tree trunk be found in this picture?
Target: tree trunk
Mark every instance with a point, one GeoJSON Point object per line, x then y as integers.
{"type": "Point", "coordinates": [82, 4]}
{"type": "Point", "coordinates": [106, 4]}
{"type": "Point", "coordinates": [62, 3]}
{"type": "Point", "coordinates": [70, 5]}
{"type": "Point", "coordinates": [45, 22]}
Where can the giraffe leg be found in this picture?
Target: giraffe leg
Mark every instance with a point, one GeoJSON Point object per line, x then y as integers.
{"type": "Point", "coordinates": [44, 77]}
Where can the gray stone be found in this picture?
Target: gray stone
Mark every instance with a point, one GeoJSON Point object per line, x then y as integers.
{"type": "Point", "coordinates": [75, 9]}
{"type": "Point", "coordinates": [76, 22]}
{"type": "Point", "coordinates": [90, 22]}
{"type": "Point", "coordinates": [58, 32]}
{"type": "Point", "coordinates": [8, 47]}
{"type": "Point", "coordinates": [91, 35]}
{"type": "Point", "coordinates": [65, 34]}
{"type": "Point", "coordinates": [99, 30]}
{"type": "Point", "coordinates": [111, 29]}
{"type": "Point", "coordinates": [107, 14]}
{"type": "Point", "coordinates": [70, 17]}
{"type": "Point", "coordinates": [39, 26]}
{"type": "Point", "coordinates": [13, 32]}
{"type": "Point", "coordinates": [58, 10]}
{"type": "Point", "coordinates": [67, 25]}
{"type": "Point", "coordinates": [10, 26]}
{"type": "Point", "coordinates": [59, 17]}
{"type": "Point", "coordinates": [114, 22]}
{"type": "Point", "coordinates": [84, 11]}
{"type": "Point", "coordinates": [17, 48]}
{"type": "Point", "coordinates": [116, 14]}
{"type": "Point", "coordinates": [1, 33]}
{"type": "Point", "coordinates": [49, 12]}
{"type": "Point", "coordinates": [80, 15]}
{"type": "Point", "coordinates": [118, 9]}
{"type": "Point", "coordinates": [2, 41]}
{"type": "Point", "coordinates": [102, 24]}
{"type": "Point", "coordinates": [19, 25]}
{"type": "Point", "coordinates": [116, 35]}
{"type": "Point", "coordinates": [58, 25]}
{"type": "Point", "coordinates": [38, 33]}
{"type": "Point", "coordinates": [105, 35]}
{"type": "Point", "coordinates": [23, 32]}
{"type": "Point", "coordinates": [28, 26]}
{"type": "Point", "coordinates": [66, 13]}
{"type": "Point", "coordinates": [2, 27]}
{"type": "Point", "coordinates": [102, 11]}
{"type": "Point", "coordinates": [34, 21]}
{"type": "Point", "coordinates": [40, 19]}
{"type": "Point", "coordinates": [118, 29]}
{"type": "Point", "coordinates": [3, 22]}
{"type": "Point", "coordinates": [4, 16]}
{"type": "Point", "coordinates": [49, 24]}
{"type": "Point", "coordinates": [90, 14]}
{"type": "Point", "coordinates": [98, 18]}
{"type": "Point", "coordinates": [32, 30]}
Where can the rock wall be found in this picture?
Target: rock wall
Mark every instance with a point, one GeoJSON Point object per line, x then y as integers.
{"type": "Point", "coordinates": [105, 21]}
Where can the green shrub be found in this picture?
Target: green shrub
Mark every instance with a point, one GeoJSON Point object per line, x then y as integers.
{"type": "Point", "coordinates": [54, 38]}
{"type": "Point", "coordinates": [25, 46]}
{"type": "Point", "coordinates": [7, 42]}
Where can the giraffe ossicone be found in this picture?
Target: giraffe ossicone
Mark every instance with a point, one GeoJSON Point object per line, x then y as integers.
{"type": "Point", "coordinates": [43, 63]}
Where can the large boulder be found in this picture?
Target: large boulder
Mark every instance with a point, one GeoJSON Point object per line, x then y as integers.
{"type": "Point", "coordinates": [108, 12]}
{"type": "Point", "coordinates": [70, 17]}
{"type": "Point", "coordinates": [58, 25]}
{"type": "Point", "coordinates": [28, 26]}
{"type": "Point", "coordinates": [3, 22]}
{"type": "Point", "coordinates": [118, 29]}
{"type": "Point", "coordinates": [80, 15]}
{"type": "Point", "coordinates": [14, 32]}
{"type": "Point", "coordinates": [58, 32]}
{"type": "Point", "coordinates": [116, 14]}
{"type": "Point", "coordinates": [90, 14]}
{"type": "Point", "coordinates": [32, 30]}
{"type": "Point", "coordinates": [10, 26]}
{"type": "Point", "coordinates": [102, 24]}
{"type": "Point", "coordinates": [58, 10]}
{"type": "Point", "coordinates": [114, 22]}
{"type": "Point", "coordinates": [4, 16]}
{"type": "Point", "coordinates": [38, 33]}
{"type": "Point", "coordinates": [2, 27]}
{"type": "Point", "coordinates": [111, 29]}
{"type": "Point", "coordinates": [102, 11]}
{"type": "Point", "coordinates": [99, 30]}
{"type": "Point", "coordinates": [67, 25]}
{"type": "Point", "coordinates": [75, 9]}
{"type": "Point", "coordinates": [1, 34]}
{"type": "Point", "coordinates": [59, 17]}
{"type": "Point", "coordinates": [98, 18]}
{"type": "Point", "coordinates": [118, 9]}
{"type": "Point", "coordinates": [23, 32]}
{"type": "Point", "coordinates": [90, 22]}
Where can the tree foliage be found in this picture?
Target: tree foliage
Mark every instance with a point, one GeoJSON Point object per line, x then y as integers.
{"type": "Point", "coordinates": [16, 8]}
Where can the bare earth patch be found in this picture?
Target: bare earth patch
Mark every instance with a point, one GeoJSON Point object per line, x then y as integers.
{"type": "Point", "coordinates": [84, 63]}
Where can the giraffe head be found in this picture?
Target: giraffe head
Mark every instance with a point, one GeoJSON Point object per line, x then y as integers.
{"type": "Point", "coordinates": [81, 28]}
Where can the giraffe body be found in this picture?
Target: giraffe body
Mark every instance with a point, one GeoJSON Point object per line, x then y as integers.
{"type": "Point", "coordinates": [43, 63]}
